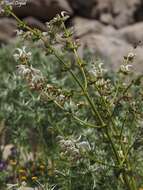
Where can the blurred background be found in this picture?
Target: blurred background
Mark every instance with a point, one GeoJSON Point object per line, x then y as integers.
{"type": "Point", "coordinates": [110, 28]}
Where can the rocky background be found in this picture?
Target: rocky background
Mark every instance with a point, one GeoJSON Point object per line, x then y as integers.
{"type": "Point", "coordinates": [111, 28]}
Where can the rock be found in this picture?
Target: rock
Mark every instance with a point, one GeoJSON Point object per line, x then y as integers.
{"type": "Point", "coordinates": [34, 23]}
{"type": "Point", "coordinates": [83, 7]}
{"type": "Point", "coordinates": [107, 19]}
{"type": "Point", "coordinates": [116, 13]}
{"type": "Point", "coordinates": [124, 11]}
{"type": "Point", "coordinates": [7, 29]}
{"type": "Point", "coordinates": [111, 50]}
{"type": "Point", "coordinates": [138, 15]}
{"type": "Point", "coordinates": [132, 34]}
{"type": "Point", "coordinates": [43, 10]}
{"type": "Point", "coordinates": [108, 43]}
{"type": "Point", "coordinates": [84, 27]}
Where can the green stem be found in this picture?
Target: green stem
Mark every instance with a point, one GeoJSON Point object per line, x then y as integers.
{"type": "Point", "coordinates": [73, 115]}
{"type": "Point", "coordinates": [79, 62]}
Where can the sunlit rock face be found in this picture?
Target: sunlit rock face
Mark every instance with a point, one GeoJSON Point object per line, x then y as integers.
{"type": "Point", "coordinates": [108, 43]}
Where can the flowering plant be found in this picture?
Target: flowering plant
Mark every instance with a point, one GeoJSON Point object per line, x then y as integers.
{"type": "Point", "coordinates": [94, 117]}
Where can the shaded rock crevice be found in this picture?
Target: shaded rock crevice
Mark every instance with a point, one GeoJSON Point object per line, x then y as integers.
{"type": "Point", "coordinates": [138, 14]}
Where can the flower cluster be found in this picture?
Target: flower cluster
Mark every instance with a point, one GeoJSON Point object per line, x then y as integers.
{"type": "Point", "coordinates": [97, 73]}
{"type": "Point", "coordinates": [126, 68]}
{"type": "Point", "coordinates": [69, 149]}
{"type": "Point", "coordinates": [56, 94]}
{"type": "Point", "coordinates": [73, 149]}
{"type": "Point", "coordinates": [21, 55]}
{"type": "Point", "coordinates": [31, 171]}
{"type": "Point", "coordinates": [33, 76]}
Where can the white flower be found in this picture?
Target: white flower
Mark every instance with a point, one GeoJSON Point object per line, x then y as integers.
{"type": "Point", "coordinates": [125, 68]}
{"type": "Point", "coordinates": [97, 70]}
{"type": "Point", "coordinates": [101, 82]}
{"type": "Point", "coordinates": [19, 32]}
{"type": "Point", "coordinates": [11, 186]}
{"type": "Point", "coordinates": [1, 10]}
{"type": "Point", "coordinates": [36, 75]}
{"type": "Point", "coordinates": [93, 72]}
{"type": "Point", "coordinates": [2, 7]}
{"type": "Point", "coordinates": [120, 152]}
{"type": "Point", "coordinates": [125, 140]}
{"type": "Point", "coordinates": [131, 55]}
{"type": "Point", "coordinates": [84, 145]}
{"type": "Point", "coordinates": [23, 70]}
{"type": "Point", "coordinates": [35, 71]}
{"type": "Point", "coordinates": [36, 79]}
{"type": "Point", "coordinates": [22, 54]}
{"type": "Point", "coordinates": [23, 186]}
{"type": "Point", "coordinates": [64, 15]}
{"type": "Point", "coordinates": [69, 143]}
{"type": "Point", "coordinates": [75, 152]}
{"type": "Point", "coordinates": [44, 33]}
{"type": "Point", "coordinates": [61, 97]}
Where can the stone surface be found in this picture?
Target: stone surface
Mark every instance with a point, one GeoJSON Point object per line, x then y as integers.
{"type": "Point", "coordinates": [35, 23]}
{"type": "Point", "coordinates": [7, 29]}
{"type": "Point", "coordinates": [107, 43]}
{"type": "Point", "coordinates": [83, 7]}
{"type": "Point", "coordinates": [117, 13]}
{"type": "Point", "coordinates": [111, 50]}
{"type": "Point", "coordinates": [84, 26]}
{"type": "Point", "coordinates": [124, 11]}
{"type": "Point", "coordinates": [133, 33]}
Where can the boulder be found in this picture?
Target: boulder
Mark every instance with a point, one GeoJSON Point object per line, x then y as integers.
{"type": "Point", "coordinates": [83, 7]}
{"type": "Point", "coordinates": [83, 26]}
{"type": "Point", "coordinates": [124, 11]}
{"type": "Point", "coordinates": [35, 23]}
{"type": "Point", "coordinates": [7, 29]}
{"type": "Point", "coordinates": [108, 43]}
{"type": "Point", "coordinates": [111, 50]}
{"type": "Point", "coordinates": [132, 34]}
{"type": "Point", "coordinates": [116, 13]}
